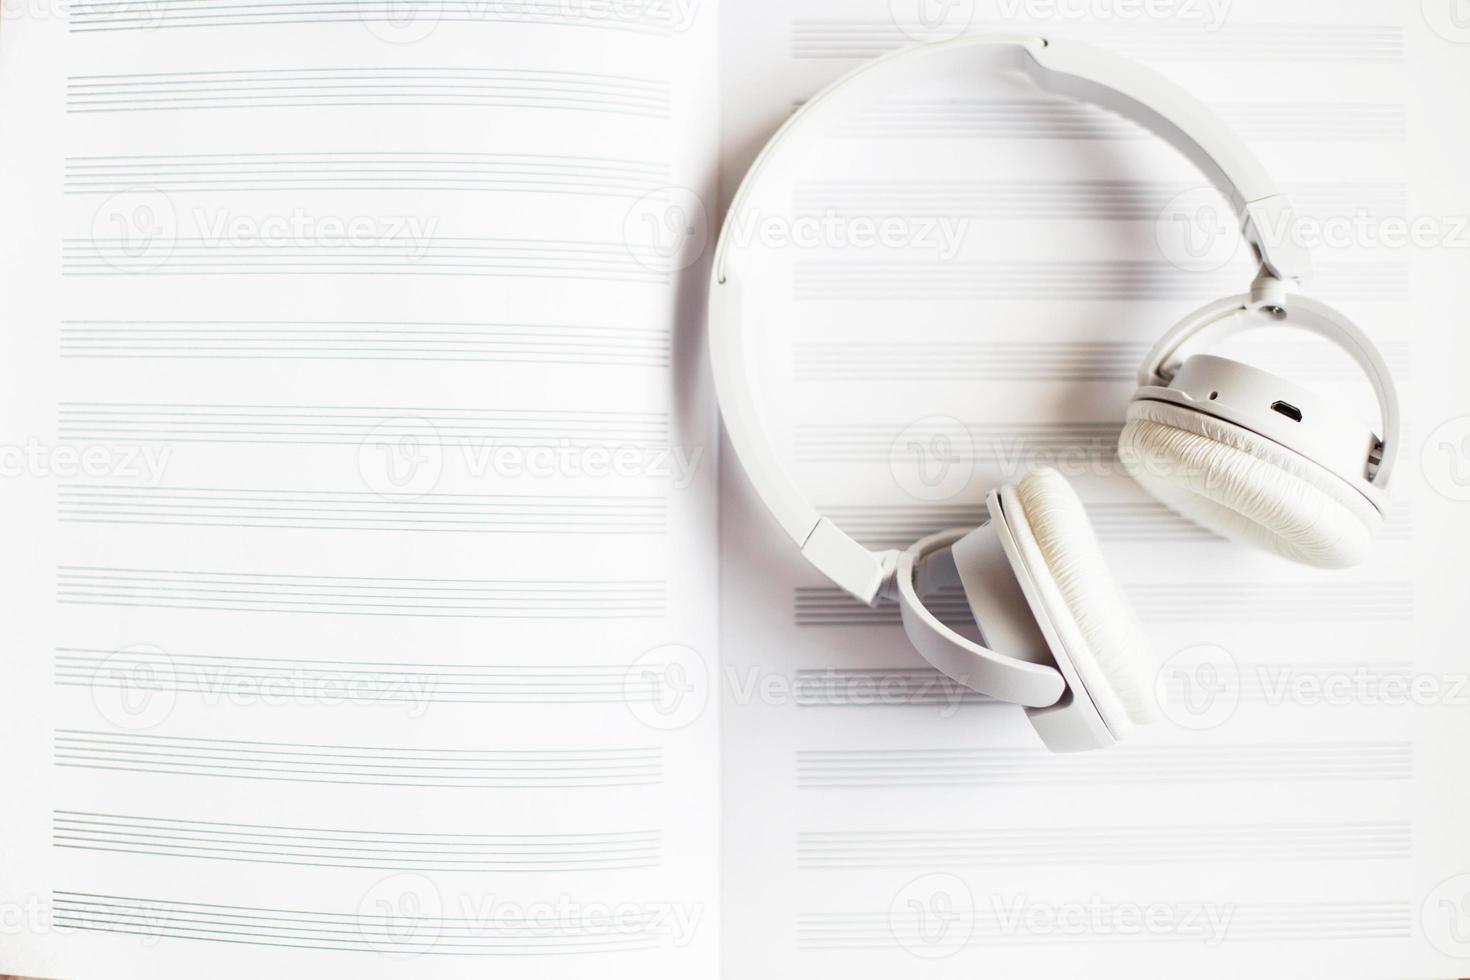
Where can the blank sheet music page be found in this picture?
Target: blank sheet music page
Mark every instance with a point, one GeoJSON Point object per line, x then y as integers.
{"type": "Point", "coordinates": [359, 501]}
{"type": "Point", "coordinates": [1290, 816]}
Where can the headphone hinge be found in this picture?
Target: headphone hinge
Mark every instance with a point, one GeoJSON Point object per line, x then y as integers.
{"type": "Point", "coordinates": [1268, 295]}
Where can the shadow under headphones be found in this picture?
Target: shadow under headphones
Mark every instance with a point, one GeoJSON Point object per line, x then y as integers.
{"type": "Point", "coordinates": [1237, 449]}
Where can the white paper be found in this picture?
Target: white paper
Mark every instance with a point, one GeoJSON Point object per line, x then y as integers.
{"type": "Point", "coordinates": [360, 513]}
{"type": "Point", "coordinates": [360, 519]}
{"type": "Point", "coordinates": [1291, 817]}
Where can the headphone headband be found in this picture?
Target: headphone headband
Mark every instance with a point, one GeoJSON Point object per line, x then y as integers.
{"type": "Point", "coordinates": [1064, 67]}
{"type": "Point", "coordinates": [1088, 74]}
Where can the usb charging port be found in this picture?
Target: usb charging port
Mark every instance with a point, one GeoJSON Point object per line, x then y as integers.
{"type": "Point", "coordinates": [1287, 409]}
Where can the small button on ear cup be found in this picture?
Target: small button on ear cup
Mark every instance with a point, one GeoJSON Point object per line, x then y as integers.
{"type": "Point", "coordinates": [1246, 487]}
{"type": "Point", "coordinates": [1058, 545]}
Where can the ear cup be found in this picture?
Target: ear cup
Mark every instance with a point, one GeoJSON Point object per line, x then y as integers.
{"type": "Point", "coordinates": [1113, 660]}
{"type": "Point", "coordinates": [1246, 487]}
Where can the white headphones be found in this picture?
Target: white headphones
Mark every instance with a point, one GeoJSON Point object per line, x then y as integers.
{"type": "Point", "coordinates": [1235, 448]}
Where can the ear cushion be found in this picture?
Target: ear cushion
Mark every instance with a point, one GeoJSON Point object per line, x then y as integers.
{"type": "Point", "coordinates": [1113, 661]}
{"type": "Point", "coordinates": [1246, 487]}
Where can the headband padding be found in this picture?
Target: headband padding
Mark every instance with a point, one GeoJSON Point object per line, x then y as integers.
{"type": "Point", "coordinates": [1246, 487]}
{"type": "Point", "coordinates": [1113, 661]}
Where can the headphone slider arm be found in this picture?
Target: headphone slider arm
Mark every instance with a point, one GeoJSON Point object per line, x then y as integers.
{"type": "Point", "coordinates": [855, 569]}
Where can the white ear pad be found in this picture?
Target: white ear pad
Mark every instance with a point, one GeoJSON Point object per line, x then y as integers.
{"type": "Point", "coordinates": [1246, 487]}
{"type": "Point", "coordinates": [1112, 659]}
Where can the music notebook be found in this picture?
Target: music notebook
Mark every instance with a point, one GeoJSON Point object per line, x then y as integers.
{"type": "Point", "coordinates": [380, 601]}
